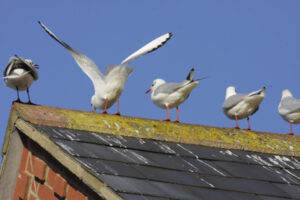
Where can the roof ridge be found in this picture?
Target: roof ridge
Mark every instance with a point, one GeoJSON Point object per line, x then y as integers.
{"type": "Point", "coordinates": [210, 136]}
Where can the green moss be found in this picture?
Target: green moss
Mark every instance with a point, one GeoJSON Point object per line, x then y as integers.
{"type": "Point", "coordinates": [160, 130]}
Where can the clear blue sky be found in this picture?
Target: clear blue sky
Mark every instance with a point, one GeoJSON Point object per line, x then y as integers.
{"type": "Point", "coordinates": [247, 44]}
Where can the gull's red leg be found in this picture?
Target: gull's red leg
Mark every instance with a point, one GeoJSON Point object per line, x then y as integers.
{"type": "Point", "coordinates": [236, 122]}
{"type": "Point", "coordinates": [118, 111]}
{"type": "Point", "coordinates": [105, 107]}
{"type": "Point", "coordinates": [177, 111]}
{"type": "Point", "coordinates": [249, 127]}
{"type": "Point", "coordinates": [168, 112]}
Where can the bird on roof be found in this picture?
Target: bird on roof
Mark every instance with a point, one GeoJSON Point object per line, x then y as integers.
{"type": "Point", "coordinates": [239, 106]}
{"type": "Point", "coordinates": [169, 95]}
{"type": "Point", "coordinates": [19, 75]}
{"type": "Point", "coordinates": [109, 87]}
{"type": "Point", "coordinates": [289, 109]}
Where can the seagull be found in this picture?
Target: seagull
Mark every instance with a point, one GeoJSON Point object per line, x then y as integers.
{"type": "Point", "coordinates": [109, 87]}
{"type": "Point", "coordinates": [289, 109]}
{"type": "Point", "coordinates": [19, 75]}
{"type": "Point", "coordinates": [170, 95]}
{"type": "Point", "coordinates": [239, 106]}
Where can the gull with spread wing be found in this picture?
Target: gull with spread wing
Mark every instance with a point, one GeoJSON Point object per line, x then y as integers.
{"type": "Point", "coordinates": [289, 109]}
{"type": "Point", "coordinates": [19, 75]}
{"type": "Point", "coordinates": [170, 95]}
{"type": "Point", "coordinates": [240, 106]}
{"type": "Point", "coordinates": [109, 87]}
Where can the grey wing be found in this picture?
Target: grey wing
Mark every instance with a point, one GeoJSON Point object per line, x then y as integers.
{"type": "Point", "coordinates": [233, 100]}
{"type": "Point", "coordinates": [169, 88]}
{"type": "Point", "coordinates": [110, 68]}
{"type": "Point", "coordinates": [127, 70]}
{"type": "Point", "coordinates": [291, 104]}
{"type": "Point", "coordinates": [85, 63]}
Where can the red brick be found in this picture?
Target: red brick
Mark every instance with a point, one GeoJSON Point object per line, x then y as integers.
{"type": "Point", "coordinates": [23, 160]}
{"type": "Point", "coordinates": [21, 186]}
{"type": "Point", "coordinates": [57, 183]}
{"type": "Point", "coordinates": [75, 194]}
{"type": "Point", "coordinates": [45, 193]}
{"type": "Point", "coordinates": [39, 168]}
{"type": "Point", "coordinates": [29, 167]}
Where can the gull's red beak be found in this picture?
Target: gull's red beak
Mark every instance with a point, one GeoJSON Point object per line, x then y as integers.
{"type": "Point", "coordinates": [148, 90]}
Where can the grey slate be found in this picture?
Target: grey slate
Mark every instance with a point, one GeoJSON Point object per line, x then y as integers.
{"type": "Point", "coordinates": [158, 170]}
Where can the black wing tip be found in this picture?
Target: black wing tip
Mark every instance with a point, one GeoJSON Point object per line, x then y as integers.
{"type": "Point", "coordinates": [17, 56]}
{"type": "Point", "coordinates": [39, 22]}
{"type": "Point", "coordinates": [162, 43]}
{"type": "Point", "coordinates": [190, 76]}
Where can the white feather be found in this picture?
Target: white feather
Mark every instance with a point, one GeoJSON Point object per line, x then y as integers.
{"type": "Point", "coordinates": [151, 46]}
{"type": "Point", "coordinates": [86, 64]}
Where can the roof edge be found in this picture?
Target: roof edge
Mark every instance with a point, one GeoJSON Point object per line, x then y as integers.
{"type": "Point", "coordinates": [66, 160]}
{"type": "Point", "coordinates": [228, 138]}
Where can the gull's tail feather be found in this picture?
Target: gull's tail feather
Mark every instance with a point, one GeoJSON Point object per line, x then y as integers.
{"type": "Point", "coordinates": [151, 46]}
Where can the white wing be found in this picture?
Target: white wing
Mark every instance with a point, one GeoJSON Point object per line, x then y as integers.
{"type": "Point", "coordinates": [85, 63]}
{"type": "Point", "coordinates": [151, 46]}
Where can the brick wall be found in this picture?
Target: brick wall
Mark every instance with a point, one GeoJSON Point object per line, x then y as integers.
{"type": "Point", "coordinates": [37, 181]}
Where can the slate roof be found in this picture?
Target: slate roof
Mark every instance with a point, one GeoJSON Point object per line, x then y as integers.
{"type": "Point", "coordinates": [148, 159]}
{"type": "Point", "coordinates": [150, 169]}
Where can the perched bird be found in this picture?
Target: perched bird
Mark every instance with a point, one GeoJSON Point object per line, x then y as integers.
{"type": "Point", "coordinates": [19, 75]}
{"type": "Point", "coordinates": [170, 95]}
{"type": "Point", "coordinates": [289, 109]}
{"type": "Point", "coordinates": [239, 106]}
{"type": "Point", "coordinates": [109, 87]}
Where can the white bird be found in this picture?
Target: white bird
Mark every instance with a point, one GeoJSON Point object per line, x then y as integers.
{"type": "Point", "coordinates": [19, 75]}
{"type": "Point", "coordinates": [239, 106]}
{"type": "Point", "coordinates": [289, 109]}
{"type": "Point", "coordinates": [109, 88]}
{"type": "Point", "coordinates": [170, 95]}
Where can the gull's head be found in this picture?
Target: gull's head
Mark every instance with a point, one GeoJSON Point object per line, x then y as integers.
{"type": "Point", "coordinates": [155, 84]}
{"type": "Point", "coordinates": [30, 62]}
{"type": "Point", "coordinates": [230, 91]}
{"type": "Point", "coordinates": [286, 93]}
